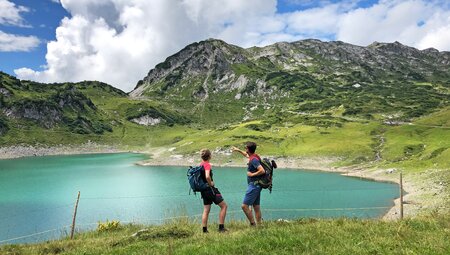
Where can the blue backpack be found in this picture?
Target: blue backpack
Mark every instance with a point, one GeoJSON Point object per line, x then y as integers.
{"type": "Point", "coordinates": [195, 179]}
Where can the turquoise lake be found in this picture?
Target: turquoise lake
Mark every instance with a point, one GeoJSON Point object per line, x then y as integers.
{"type": "Point", "coordinates": [38, 194]}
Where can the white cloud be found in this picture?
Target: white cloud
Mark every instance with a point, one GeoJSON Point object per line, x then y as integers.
{"type": "Point", "coordinates": [10, 14]}
{"type": "Point", "coordinates": [437, 32]}
{"type": "Point", "coordinates": [315, 21]}
{"type": "Point", "coordinates": [10, 42]}
{"type": "Point", "coordinates": [118, 41]}
{"type": "Point", "coordinates": [391, 21]}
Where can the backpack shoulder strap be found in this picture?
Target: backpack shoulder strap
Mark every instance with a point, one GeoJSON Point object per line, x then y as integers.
{"type": "Point", "coordinates": [254, 156]}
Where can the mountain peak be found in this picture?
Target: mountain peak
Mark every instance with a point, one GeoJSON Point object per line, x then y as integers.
{"type": "Point", "coordinates": [208, 57]}
{"type": "Point", "coordinates": [430, 50]}
{"type": "Point", "coordinates": [394, 45]}
{"type": "Point", "coordinates": [213, 40]}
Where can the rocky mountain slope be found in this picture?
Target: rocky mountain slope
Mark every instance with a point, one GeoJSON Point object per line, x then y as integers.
{"type": "Point", "coordinates": [218, 82]}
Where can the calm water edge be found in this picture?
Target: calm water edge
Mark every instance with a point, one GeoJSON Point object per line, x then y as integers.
{"type": "Point", "coordinates": [38, 194]}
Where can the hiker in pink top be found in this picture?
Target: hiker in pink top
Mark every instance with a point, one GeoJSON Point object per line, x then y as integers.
{"type": "Point", "coordinates": [212, 194]}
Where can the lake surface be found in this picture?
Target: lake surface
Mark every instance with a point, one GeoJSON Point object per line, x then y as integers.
{"type": "Point", "coordinates": [38, 194]}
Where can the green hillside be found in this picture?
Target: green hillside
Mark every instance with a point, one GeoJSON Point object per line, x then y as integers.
{"type": "Point", "coordinates": [73, 113]}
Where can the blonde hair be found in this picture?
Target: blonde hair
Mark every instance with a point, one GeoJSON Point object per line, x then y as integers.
{"type": "Point", "coordinates": [205, 154]}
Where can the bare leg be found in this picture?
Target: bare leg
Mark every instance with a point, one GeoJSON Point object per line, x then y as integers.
{"type": "Point", "coordinates": [257, 209]}
{"type": "Point", "coordinates": [248, 213]}
{"type": "Point", "coordinates": [206, 210]}
{"type": "Point", "coordinates": [223, 212]}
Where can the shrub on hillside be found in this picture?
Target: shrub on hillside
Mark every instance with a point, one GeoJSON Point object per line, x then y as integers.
{"type": "Point", "coordinates": [411, 150]}
{"type": "Point", "coordinates": [83, 125]}
{"type": "Point", "coordinates": [258, 127]}
{"type": "Point", "coordinates": [108, 225]}
{"type": "Point", "coordinates": [3, 126]}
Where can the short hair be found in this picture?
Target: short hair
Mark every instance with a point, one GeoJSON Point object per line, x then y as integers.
{"type": "Point", "coordinates": [205, 154]}
{"type": "Point", "coordinates": [251, 146]}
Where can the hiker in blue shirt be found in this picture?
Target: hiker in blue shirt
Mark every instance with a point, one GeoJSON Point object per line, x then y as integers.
{"type": "Point", "coordinates": [254, 172]}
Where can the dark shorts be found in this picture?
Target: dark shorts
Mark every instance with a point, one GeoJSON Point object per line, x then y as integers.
{"type": "Point", "coordinates": [252, 195]}
{"type": "Point", "coordinates": [211, 195]}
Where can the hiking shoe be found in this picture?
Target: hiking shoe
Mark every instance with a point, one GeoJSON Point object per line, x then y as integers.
{"type": "Point", "coordinates": [223, 230]}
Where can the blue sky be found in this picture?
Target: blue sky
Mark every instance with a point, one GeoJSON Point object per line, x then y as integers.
{"type": "Point", "coordinates": [118, 42]}
{"type": "Point", "coordinates": [41, 21]}
{"type": "Point", "coordinates": [286, 6]}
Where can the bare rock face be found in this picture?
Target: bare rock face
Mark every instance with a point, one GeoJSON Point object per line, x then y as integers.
{"type": "Point", "coordinates": [5, 92]}
{"type": "Point", "coordinates": [240, 83]}
{"type": "Point", "coordinates": [147, 120]}
{"type": "Point", "coordinates": [45, 113]}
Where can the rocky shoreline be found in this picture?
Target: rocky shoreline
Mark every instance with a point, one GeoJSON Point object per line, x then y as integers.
{"type": "Point", "coordinates": [19, 151]}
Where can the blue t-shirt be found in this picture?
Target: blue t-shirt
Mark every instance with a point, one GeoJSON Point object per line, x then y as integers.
{"type": "Point", "coordinates": [253, 167]}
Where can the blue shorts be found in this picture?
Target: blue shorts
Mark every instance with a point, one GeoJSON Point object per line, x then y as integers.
{"type": "Point", "coordinates": [252, 195]}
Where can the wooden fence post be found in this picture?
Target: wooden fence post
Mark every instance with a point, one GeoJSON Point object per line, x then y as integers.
{"type": "Point", "coordinates": [401, 196]}
{"type": "Point", "coordinates": [74, 216]}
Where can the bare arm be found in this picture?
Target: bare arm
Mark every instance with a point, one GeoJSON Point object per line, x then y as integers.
{"type": "Point", "coordinates": [234, 149]}
{"type": "Point", "coordinates": [208, 178]}
{"type": "Point", "coordinates": [259, 172]}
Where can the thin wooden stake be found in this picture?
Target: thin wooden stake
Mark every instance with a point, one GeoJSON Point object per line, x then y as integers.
{"type": "Point", "coordinates": [401, 197]}
{"type": "Point", "coordinates": [74, 216]}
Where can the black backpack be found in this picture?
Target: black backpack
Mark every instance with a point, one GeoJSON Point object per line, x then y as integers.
{"type": "Point", "coordinates": [265, 180]}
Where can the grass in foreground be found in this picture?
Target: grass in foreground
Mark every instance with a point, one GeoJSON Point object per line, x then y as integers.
{"type": "Point", "coordinates": [428, 235]}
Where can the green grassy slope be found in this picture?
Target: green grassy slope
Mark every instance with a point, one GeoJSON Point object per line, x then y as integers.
{"type": "Point", "coordinates": [303, 236]}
